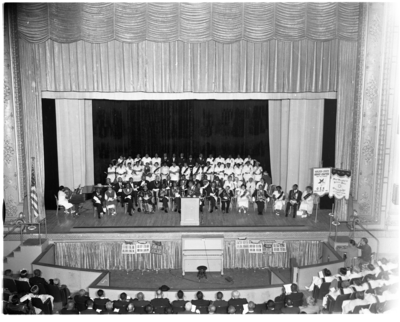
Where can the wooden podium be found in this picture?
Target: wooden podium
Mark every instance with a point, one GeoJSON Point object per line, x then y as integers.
{"type": "Point", "coordinates": [190, 212]}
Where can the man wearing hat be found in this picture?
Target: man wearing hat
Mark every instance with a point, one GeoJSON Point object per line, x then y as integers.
{"type": "Point", "coordinates": [159, 303]}
{"type": "Point", "coordinates": [98, 200]}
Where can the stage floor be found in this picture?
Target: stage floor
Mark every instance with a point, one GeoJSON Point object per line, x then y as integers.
{"type": "Point", "coordinates": [170, 222]}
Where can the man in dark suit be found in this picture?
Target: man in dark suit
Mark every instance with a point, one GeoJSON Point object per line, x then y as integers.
{"type": "Point", "coordinates": [140, 304]}
{"type": "Point", "coordinates": [179, 304]}
{"type": "Point", "coordinates": [130, 309]}
{"type": "Point", "coordinates": [201, 161]}
{"type": "Point", "coordinates": [296, 297]}
{"type": "Point", "coordinates": [37, 279]}
{"type": "Point", "coordinates": [159, 303]}
{"type": "Point", "coordinates": [181, 161]}
{"type": "Point", "coordinates": [165, 159]}
{"type": "Point", "coordinates": [173, 159]}
{"type": "Point", "coordinates": [70, 309]}
{"type": "Point", "coordinates": [191, 162]}
{"type": "Point", "coordinates": [290, 309]}
{"type": "Point", "coordinates": [80, 300]}
{"type": "Point", "coordinates": [118, 188]}
{"type": "Point", "coordinates": [188, 309]}
{"type": "Point", "coordinates": [109, 308]}
{"type": "Point", "coordinates": [237, 302]}
{"type": "Point", "coordinates": [90, 309]}
{"type": "Point", "coordinates": [220, 304]}
{"type": "Point", "coordinates": [293, 200]}
{"type": "Point", "coordinates": [100, 301]}
{"type": "Point", "coordinates": [271, 308]}
{"type": "Point", "coordinates": [201, 303]}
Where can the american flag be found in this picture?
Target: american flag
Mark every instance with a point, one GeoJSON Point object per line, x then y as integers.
{"type": "Point", "coordinates": [34, 198]}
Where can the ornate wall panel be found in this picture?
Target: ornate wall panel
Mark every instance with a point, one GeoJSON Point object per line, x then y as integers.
{"type": "Point", "coordinates": [14, 151]}
{"type": "Point", "coordinates": [372, 145]}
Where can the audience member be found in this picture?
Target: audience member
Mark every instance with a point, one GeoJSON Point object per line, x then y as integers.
{"type": "Point", "coordinates": [220, 304]}
{"type": "Point", "coordinates": [311, 307]}
{"type": "Point", "coordinates": [8, 274]}
{"type": "Point", "coordinates": [23, 276]}
{"type": "Point", "coordinates": [35, 294]}
{"type": "Point", "coordinates": [130, 309]}
{"type": "Point", "coordinates": [37, 279]}
{"type": "Point", "coordinates": [289, 308]}
{"type": "Point", "coordinates": [140, 304]}
{"type": "Point", "coordinates": [122, 303]}
{"type": "Point", "coordinates": [109, 308]}
{"type": "Point", "coordinates": [70, 309]}
{"type": "Point", "coordinates": [231, 309]}
{"type": "Point", "coordinates": [251, 307]}
{"type": "Point", "coordinates": [237, 302]}
{"type": "Point", "coordinates": [271, 308]}
{"type": "Point", "coordinates": [159, 303]}
{"type": "Point", "coordinates": [295, 295]}
{"type": "Point", "coordinates": [100, 301]}
{"type": "Point", "coordinates": [81, 300]}
{"type": "Point", "coordinates": [14, 306]}
{"type": "Point", "coordinates": [211, 309]}
{"type": "Point", "coordinates": [54, 291]}
{"type": "Point", "coordinates": [89, 307]}
{"type": "Point", "coordinates": [200, 303]}
{"type": "Point", "coordinates": [179, 304]}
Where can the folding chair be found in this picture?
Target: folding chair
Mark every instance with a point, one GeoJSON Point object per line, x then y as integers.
{"type": "Point", "coordinates": [58, 206]}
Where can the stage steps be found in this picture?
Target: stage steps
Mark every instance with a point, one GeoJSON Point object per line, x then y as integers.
{"type": "Point", "coordinates": [23, 255]}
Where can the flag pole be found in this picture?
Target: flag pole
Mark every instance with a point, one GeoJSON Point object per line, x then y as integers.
{"type": "Point", "coordinates": [32, 227]}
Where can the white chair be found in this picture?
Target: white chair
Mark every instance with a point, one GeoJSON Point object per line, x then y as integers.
{"type": "Point", "coordinates": [58, 206]}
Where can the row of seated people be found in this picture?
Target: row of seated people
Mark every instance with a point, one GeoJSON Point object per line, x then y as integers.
{"type": "Point", "coordinates": [33, 294]}
{"type": "Point", "coordinates": [352, 288]}
{"type": "Point", "coordinates": [191, 169]}
{"type": "Point", "coordinates": [286, 304]}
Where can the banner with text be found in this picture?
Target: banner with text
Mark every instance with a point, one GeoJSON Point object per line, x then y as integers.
{"type": "Point", "coordinates": [321, 181]}
{"type": "Point", "coordinates": [340, 184]}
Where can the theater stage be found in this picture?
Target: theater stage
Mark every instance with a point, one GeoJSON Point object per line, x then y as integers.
{"type": "Point", "coordinates": [160, 221]}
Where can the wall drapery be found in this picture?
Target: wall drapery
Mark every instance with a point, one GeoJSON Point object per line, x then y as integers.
{"type": "Point", "coordinates": [74, 143]}
{"type": "Point", "coordinates": [189, 22]}
{"type": "Point", "coordinates": [107, 255]}
{"type": "Point", "coordinates": [296, 132]}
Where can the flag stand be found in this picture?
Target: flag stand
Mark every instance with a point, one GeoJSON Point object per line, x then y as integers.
{"type": "Point", "coordinates": [33, 184]}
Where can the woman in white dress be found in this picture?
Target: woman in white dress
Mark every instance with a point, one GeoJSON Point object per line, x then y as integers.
{"type": "Point", "coordinates": [63, 200]}
{"type": "Point", "coordinates": [279, 200]}
{"type": "Point", "coordinates": [111, 172]}
{"type": "Point", "coordinates": [242, 195]}
{"type": "Point", "coordinates": [307, 201]}
{"type": "Point", "coordinates": [120, 171]}
{"type": "Point", "coordinates": [129, 172]}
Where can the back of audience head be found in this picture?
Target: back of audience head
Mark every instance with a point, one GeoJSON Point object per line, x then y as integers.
{"type": "Point", "coordinates": [168, 310]}
{"type": "Point", "coordinates": [231, 309]}
{"type": "Point", "coordinates": [357, 282]}
{"type": "Point", "coordinates": [235, 294]}
{"type": "Point", "coordinates": [82, 292]}
{"type": "Point", "coordinates": [343, 271]}
{"type": "Point", "coordinates": [294, 288]}
{"type": "Point", "coordinates": [109, 305]}
{"type": "Point", "coordinates": [56, 281]}
{"type": "Point", "coordinates": [211, 309]}
{"type": "Point", "coordinates": [37, 272]}
{"type": "Point", "coordinates": [311, 301]}
{"type": "Point", "coordinates": [89, 303]}
{"type": "Point", "coordinates": [289, 302]}
{"type": "Point", "coordinates": [123, 296]}
{"type": "Point", "coordinates": [352, 242]}
{"type": "Point", "coordinates": [8, 272]}
{"type": "Point", "coordinates": [70, 305]}
{"type": "Point", "coordinates": [370, 267]}
{"type": "Point", "coordinates": [23, 273]}
{"type": "Point", "coordinates": [251, 306]}
{"type": "Point", "coordinates": [199, 295]}
{"type": "Point", "coordinates": [220, 295]}
{"type": "Point", "coordinates": [100, 293]}
{"type": "Point", "coordinates": [271, 305]}
{"type": "Point", "coordinates": [327, 272]}
{"type": "Point", "coordinates": [180, 294]}
{"type": "Point", "coordinates": [140, 296]}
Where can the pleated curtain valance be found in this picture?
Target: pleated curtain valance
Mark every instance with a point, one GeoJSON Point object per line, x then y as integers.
{"type": "Point", "coordinates": [187, 22]}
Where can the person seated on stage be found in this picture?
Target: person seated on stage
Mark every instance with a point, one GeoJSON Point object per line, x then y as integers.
{"type": "Point", "coordinates": [64, 195]}
{"type": "Point", "coordinates": [138, 159]}
{"type": "Point", "coordinates": [137, 172]}
{"type": "Point", "coordinates": [257, 172]}
{"type": "Point", "coordinates": [165, 160]}
{"type": "Point", "coordinates": [143, 182]}
{"type": "Point", "coordinates": [127, 198]}
{"type": "Point", "coordinates": [212, 196]}
{"type": "Point", "coordinates": [237, 172]}
{"type": "Point", "coordinates": [260, 197]}
{"type": "Point", "coordinates": [279, 200]}
{"type": "Point", "coordinates": [295, 296]}
{"type": "Point", "coordinates": [228, 171]}
{"type": "Point", "coordinates": [167, 182]}
{"type": "Point", "coordinates": [210, 159]}
{"type": "Point", "coordinates": [155, 170]}
{"type": "Point", "coordinates": [197, 172]}
{"type": "Point", "coordinates": [201, 303]}
{"type": "Point", "coordinates": [226, 195]}
{"type": "Point", "coordinates": [35, 294]}
{"type": "Point", "coordinates": [247, 171]}
{"type": "Point", "coordinates": [243, 197]}
{"type": "Point", "coordinates": [164, 171]}
{"type": "Point", "coordinates": [111, 172]}
{"type": "Point", "coordinates": [238, 161]}
{"type": "Point", "coordinates": [70, 309]}
{"type": "Point", "coordinates": [110, 198]}
{"type": "Point", "coordinates": [175, 194]}
{"type": "Point", "coordinates": [202, 196]}
{"type": "Point", "coordinates": [220, 304]}
{"type": "Point", "coordinates": [147, 173]}
{"type": "Point", "coordinates": [201, 161]}
{"type": "Point", "coordinates": [159, 303]}
{"type": "Point", "coordinates": [229, 182]}
{"type": "Point", "coordinates": [220, 159]}
{"type": "Point", "coordinates": [174, 172]}
{"type": "Point", "coordinates": [311, 307]}
{"type": "Point", "coordinates": [121, 159]}
{"type": "Point", "coordinates": [140, 304]}
{"type": "Point", "coordinates": [230, 160]}
{"type": "Point", "coordinates": [130, 160]}
{"type": "Point", "coordinates": [181, 160]}
{"type": "Point", "coordinates": [129, 172]}
{"type": "Point", "coordinates": [155, 187]}
{"type": "Point", "coordinates": [120, 171]}
{"type": "Point", "coordinates": [191, 191]}
{"type": "Point", "coordinates": [164, 197]}
{"type": "Point", "coordinates": [289, 308]}
{"type": "Point", "coordinates": [185, 172]}
{"type": "Point", "coordinates": [237, 302]}
{"type": "Point", "coordinates": [251, 186]}
{"type": "Point", "coordinates": [294, 200]}
{"type": "Point", "coordinates": [145, 200]}
{"type": "Point", "coordinates": [183, 187]}
{"type": "Point", "coordinates": [98, 201]}
{"type": "Point", "coordinates": [146, 160]}
{"type": "Point", "coordinates": [366, 252]}
{"type": "Point", "coordinates": [208, 170]}
{"type": "Point", "coordinates": [155, 160]}
{"type": "Point", "coordinates": [307, 201]}
{"type": "Point", "coordinates": [118, 188]}
{"type": "Point", "coordinates": [219, 171]}
{"type": "Point", "coordinates": [318, 280]}
{"type": "Point", "coordinates": [23, 276]}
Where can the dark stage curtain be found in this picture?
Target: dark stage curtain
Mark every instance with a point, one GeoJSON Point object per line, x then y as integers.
{"type": "Point", "coordinates": [187, 126]}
